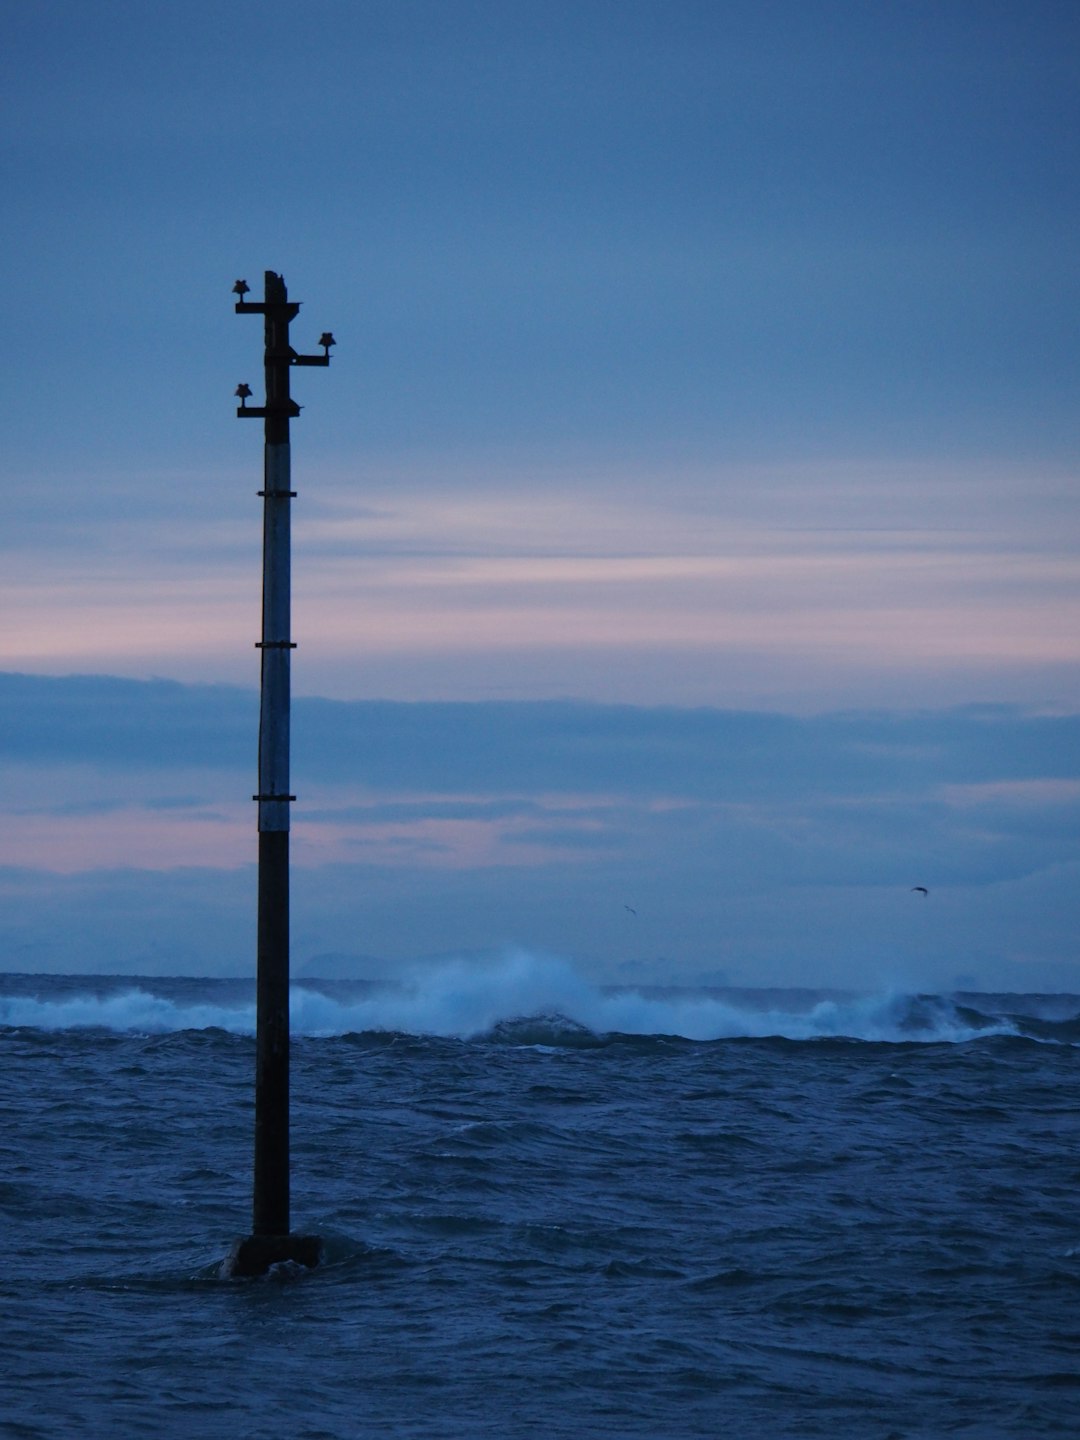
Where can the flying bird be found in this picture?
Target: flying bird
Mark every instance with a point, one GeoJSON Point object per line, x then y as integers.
{"type": "Point", "coordinates": [630, 908]}
{"type": "Point", "coordinates": [919, 889]}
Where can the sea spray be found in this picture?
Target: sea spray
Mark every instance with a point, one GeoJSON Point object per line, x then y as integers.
{"type": "Point", "coordinates": [468, 998]}
{"type": "Point", "coordinates": [131, 1009]}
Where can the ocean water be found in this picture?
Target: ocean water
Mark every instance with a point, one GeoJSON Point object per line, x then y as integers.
{"type": "Point", "coordinates": [547, 1211]}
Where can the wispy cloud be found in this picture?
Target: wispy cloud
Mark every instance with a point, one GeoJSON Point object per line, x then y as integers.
{"type": "Point", "coordinates": [760, 586]}
{"type": "Point", "coordinates": [768, 846]}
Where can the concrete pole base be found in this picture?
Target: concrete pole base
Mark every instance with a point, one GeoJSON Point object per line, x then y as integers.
{"type": "Point", "coordinates": [256, 1254]}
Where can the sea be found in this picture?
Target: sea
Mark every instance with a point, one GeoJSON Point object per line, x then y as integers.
{"type": "Point", "coordinates": [547, 1209]}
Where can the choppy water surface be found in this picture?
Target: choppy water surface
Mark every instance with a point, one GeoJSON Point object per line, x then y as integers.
{"type": "Point", "coordinates": [547, 1211]}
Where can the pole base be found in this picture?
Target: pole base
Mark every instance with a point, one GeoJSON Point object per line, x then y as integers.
{"type": "Point", "coordinates": [256, 1254]}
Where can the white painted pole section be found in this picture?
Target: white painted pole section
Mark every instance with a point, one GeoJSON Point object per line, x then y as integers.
{"type": "Point", "coordinates": [276, 652]}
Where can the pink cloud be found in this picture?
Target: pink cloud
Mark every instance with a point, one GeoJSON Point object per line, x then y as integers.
{"type": "Point", "coordinates": [128, 838]}
{"type": "Point", "coordinates": [800, 580]}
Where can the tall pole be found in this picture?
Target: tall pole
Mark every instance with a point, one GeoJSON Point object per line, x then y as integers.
{"type": "Point", "coordinates": [271, 1240]}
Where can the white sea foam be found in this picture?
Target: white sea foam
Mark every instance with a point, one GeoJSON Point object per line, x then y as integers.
{"type": "Point", "coordinates": [463, 998]}
{"type": "Point", "coordinates": [466, 998]}
{"type": "Point", "coordinates": [134, 1010]}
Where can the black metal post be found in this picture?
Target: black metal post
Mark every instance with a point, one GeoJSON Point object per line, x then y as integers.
{"type": "Point", "coordinates": [271, 1241]}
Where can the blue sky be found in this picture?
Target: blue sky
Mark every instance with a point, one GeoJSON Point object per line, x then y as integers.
{"type": "Point", "coordinates": [692, 358]}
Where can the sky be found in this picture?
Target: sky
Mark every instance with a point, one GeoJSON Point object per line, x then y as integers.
{"type": "Point", "coordinates": [705, 389]}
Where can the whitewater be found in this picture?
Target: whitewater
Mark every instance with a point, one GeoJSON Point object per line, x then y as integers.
{"type": "Point", "coordinates": [547, 1207]}
{"type": "Point", "coordinates": [466, 998]}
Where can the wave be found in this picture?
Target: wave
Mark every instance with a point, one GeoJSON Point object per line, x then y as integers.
{"type": "Point", "coordinates": [128, 1011]}
{"type": "Point", "coordinates": [524, 999]}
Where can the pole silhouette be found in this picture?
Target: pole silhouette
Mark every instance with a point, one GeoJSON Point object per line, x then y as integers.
{"type": "Point", "coordinates": [271, 1240]}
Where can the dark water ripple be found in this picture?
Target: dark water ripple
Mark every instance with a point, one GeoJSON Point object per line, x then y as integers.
{"type": "Point", "coordinates": [633, 1237]}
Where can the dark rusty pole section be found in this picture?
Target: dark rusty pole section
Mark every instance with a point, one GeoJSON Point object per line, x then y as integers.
{"type": "Point", "coordinates": [271, 1240]}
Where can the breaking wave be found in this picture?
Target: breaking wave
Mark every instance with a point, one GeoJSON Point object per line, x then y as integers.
{"type": "Point", "coordinates": [522, 999]}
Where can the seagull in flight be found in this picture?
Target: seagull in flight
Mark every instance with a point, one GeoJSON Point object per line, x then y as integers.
{"type": "Point", "coordinates": [919, 890]}
{"type": "Point", "coordinates": [630, 908]}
